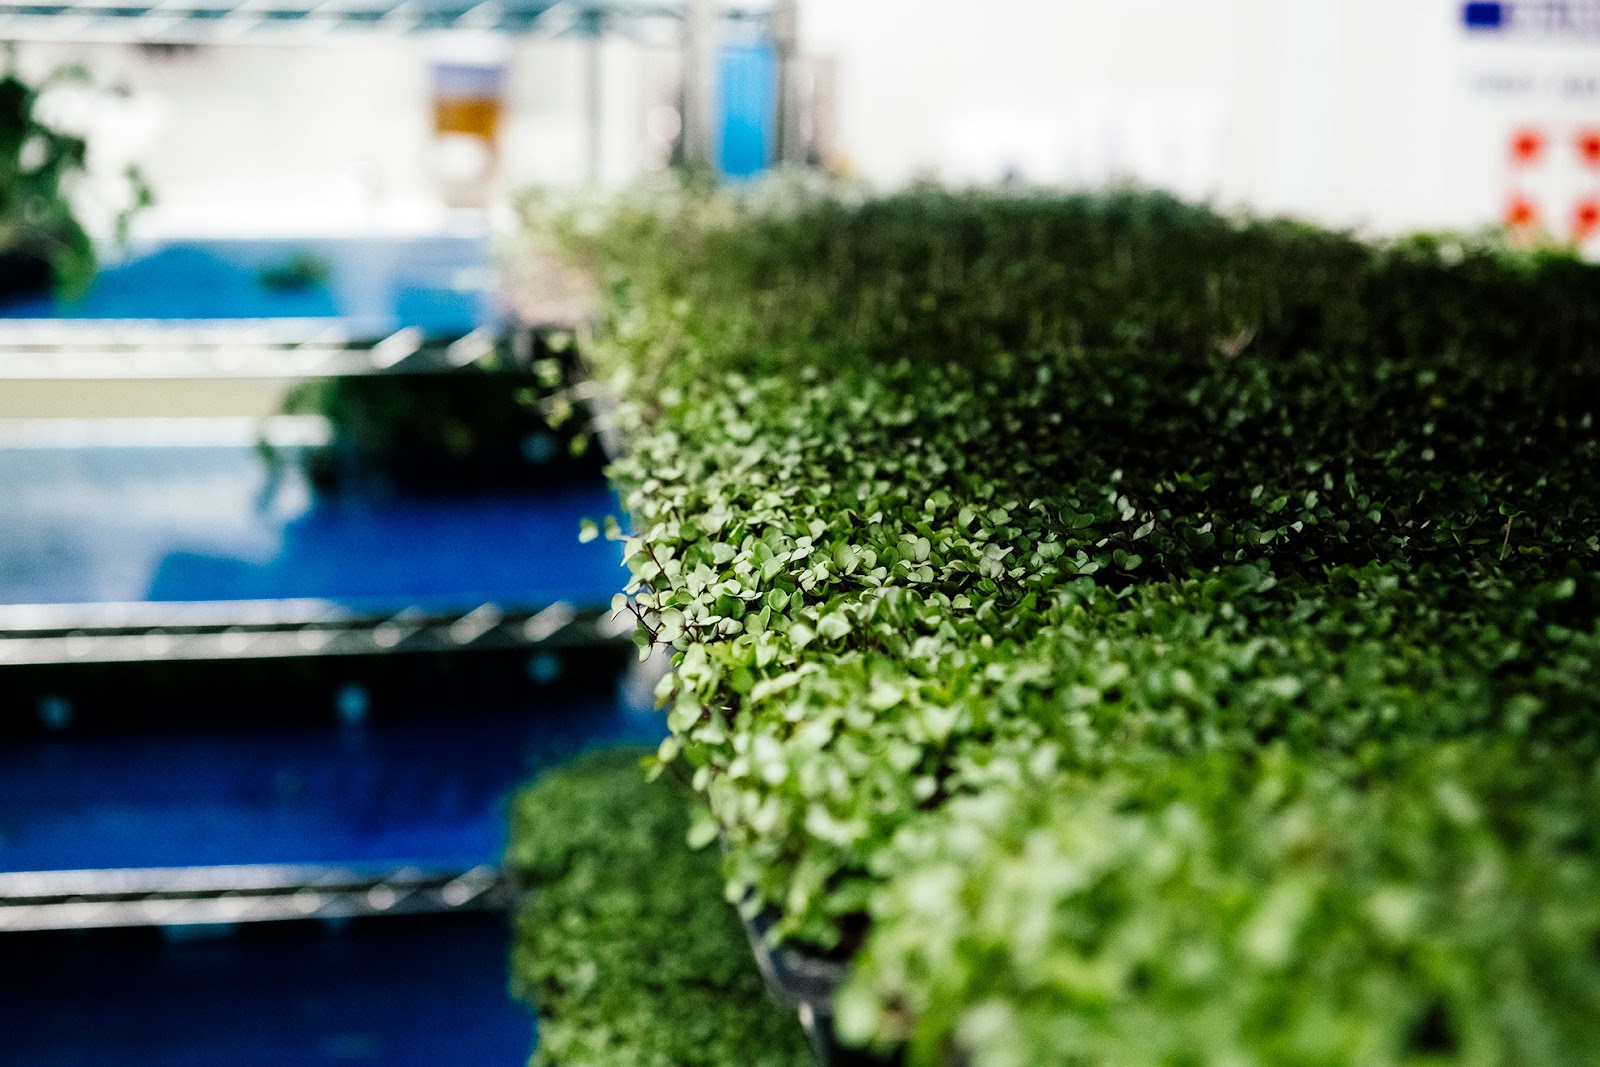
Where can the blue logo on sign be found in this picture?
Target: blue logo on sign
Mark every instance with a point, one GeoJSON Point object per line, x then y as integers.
{"type": "Point", "coordinates": [1571, 19]}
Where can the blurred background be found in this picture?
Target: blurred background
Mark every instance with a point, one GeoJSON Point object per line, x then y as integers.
{"type": "Point", "coordinates": [357, 116]}
{"type": "Point", "coordinates": [291, 590]}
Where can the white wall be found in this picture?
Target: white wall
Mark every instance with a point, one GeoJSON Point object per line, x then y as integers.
{"type": "Point", "coordinates": [256, 139]}
{"type": "Point", "coordinates": [545, 136]}
{"type": "Point", "coordinates": [1355, 112]}
{"type": "Point", "coordinates": [1375, 113]}
{"type": "Point", "coordinates": [307, 139]}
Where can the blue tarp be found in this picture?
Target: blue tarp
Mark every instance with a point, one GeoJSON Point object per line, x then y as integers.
{"type": "Point", "coordinates": [427, 791]}
{"type": "Point", "coordinates": [427, 992]}
{"type": "Point", "coordinates": [374, 285]}
{"type": "Point", "coordinates": [122, 524]}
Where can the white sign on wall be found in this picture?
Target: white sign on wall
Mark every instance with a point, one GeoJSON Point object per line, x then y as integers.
{"type": "Point", "coordinates": [1384, 115]}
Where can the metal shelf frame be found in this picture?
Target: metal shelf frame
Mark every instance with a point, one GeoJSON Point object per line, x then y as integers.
{"type": "Point", "coordinates": [49, 634]}
{"type": "Point", "coordinates": [199, 896]}
{"type": "Point", "coordinates": [51, 349]}
{"type": "Point", "coordinates": [224, 21]}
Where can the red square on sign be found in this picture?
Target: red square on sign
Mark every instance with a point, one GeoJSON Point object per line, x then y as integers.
{"type": "Point", "coordinates": [1527, 145]}
{"type": "Point", "coordinates": [1521, 213]}
{"type": "Point", "coordinates": [1586, 219]}
{"type": "Point", "coordinates": [1589, 147]}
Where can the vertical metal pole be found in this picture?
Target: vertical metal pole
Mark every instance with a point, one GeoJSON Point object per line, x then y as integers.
{"type": "Point", "coordinates": [785, 45]}
{"type": "Point", "coordinates": [594, 101]}
{"type": "Point", "coordinates": [699, 82]}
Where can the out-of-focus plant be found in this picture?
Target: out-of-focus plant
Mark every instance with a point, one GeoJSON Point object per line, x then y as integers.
{"type": "Point", "coordinates": [303, 269]}
{"type": "Point", "coordinates": [478, 427]}
{"type": "Point", "coordinates": [624, 943]}
{"type": "Point", "coordinates": [43, 243]}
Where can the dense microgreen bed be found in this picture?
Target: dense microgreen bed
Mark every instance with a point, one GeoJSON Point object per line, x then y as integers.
{"type": "Point", "coordinates": [1133, 635]}
{"type": "Point", "coordinates": [624, 943]}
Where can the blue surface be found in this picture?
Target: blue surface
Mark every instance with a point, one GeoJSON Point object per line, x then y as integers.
{"type": "Point", "coordinates": [1483, 16]}
{"type": "Point", "coordinates": [424, 791]}
{"type": "Point", "coordinates": [218, 523]}
{"type": "Point", "coordinates": [400, 992]}
{"type": "Point", "coordinates": [748, 85]}
{"type": "Point", "coordinates": [375, 285]}
{"type": "Point", "coordinates": [92, 524]}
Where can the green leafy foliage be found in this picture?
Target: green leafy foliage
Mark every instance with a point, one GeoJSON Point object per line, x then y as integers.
{"type": "Point", "coordinates": [1234, 911]}
{"type": "Point", "coordinates": [476, 427]}
{"type": "Point", "coordinates": [302, 270]}
{"type": "Point", "coordinates": [39, 164]}
{"type": "Point", "coordinates": [1122, 625]}
{"type": "Point", "coordinates": [624, 945]}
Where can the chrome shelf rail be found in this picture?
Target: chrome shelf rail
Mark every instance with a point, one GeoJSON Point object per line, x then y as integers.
{"type": "Point", "coordinates": [193, 896]}
{"type": "Point", "coordinates": [44, 349]}
{"type": "Point", "coordinates": [221, 21]}
{"type": "Point", "coordinates": [50, 634]}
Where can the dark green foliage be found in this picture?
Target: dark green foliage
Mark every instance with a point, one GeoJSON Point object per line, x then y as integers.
{"type": "Point", "coordinates": [469, 429]}
{"type": "Point", "coordinates": [625, 945]}
{"type": "Point", "coordinates": [302, 270]}
{"type": "Point", "coordinates": [38, 165]}
{"type": "Point", "coordinates": [1149, 637]}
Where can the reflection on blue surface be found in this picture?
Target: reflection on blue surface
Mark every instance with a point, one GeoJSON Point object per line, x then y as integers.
{"type": "Point", "coordinates": [399, 992]}
{"type": "Point", "coordinates": [427, 791]}
{"type": "Point", "coordinates": [219, 523]}
{"type": "Point", "coordinates": [94, 524]}
{"type": "Point", "coordinates": [375, 285]}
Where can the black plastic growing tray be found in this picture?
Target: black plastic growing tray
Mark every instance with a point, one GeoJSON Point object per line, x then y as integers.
{"type": "Point", "coordinates": [807, 984]}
